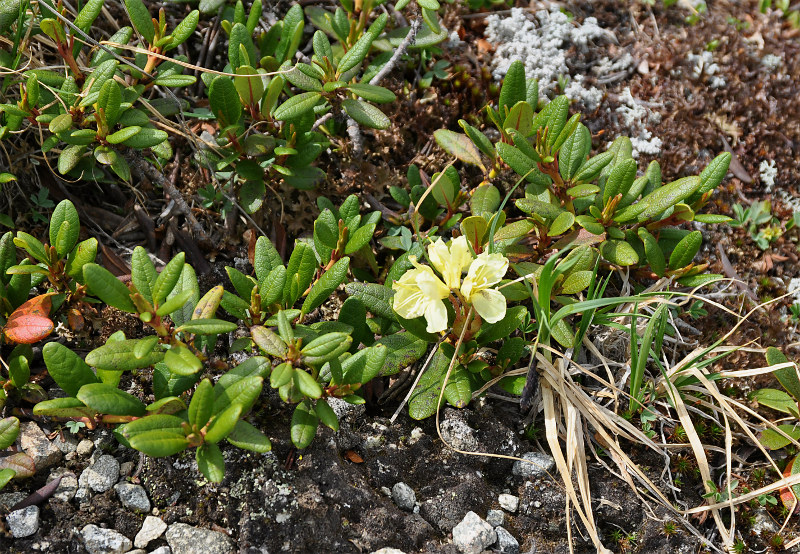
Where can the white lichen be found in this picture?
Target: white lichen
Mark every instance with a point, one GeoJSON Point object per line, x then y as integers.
{"type": "Point", "coordinates": [634, 116]}
{"type": "Point", "coordinates": [768, 172]}
{"type": "Point", "coordinates": [771, 62]}
{"type": "Point", "coordinates": [542, 47]}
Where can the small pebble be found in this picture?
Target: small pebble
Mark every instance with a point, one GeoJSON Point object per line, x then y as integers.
{"type": "Point", "coordinates": [495, 518]}
{"type": "Point", "coordinates": [24, 522]}
{"type": "Point", "coordinates": [473, 535]}
{"type": "Point", "coordinates": [84, 448]}
{"type": "Point", "coordinates": [404, 496]}
{"type": "Point", "coordinates": [509, 502]}
{"type": "Point", "coordinates": [537, 465]}
{"type": "Point", "coordinates": [506, 543]}
{"type": "Point", "coordinates": [152, 528]}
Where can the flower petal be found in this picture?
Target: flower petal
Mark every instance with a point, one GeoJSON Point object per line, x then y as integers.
{"type": "Point", "coordinates": [430, 284]}
{"type": "Point", "coordinates": [408, 301]}
{"type": "Point", "coordinates": [436, 316]}
{"type": "Point", "coordinates": [439, 255]}
{"type": "Point", "coordinates": [487, 270]}
{"type": "Point", "coordinates": [490, 305]}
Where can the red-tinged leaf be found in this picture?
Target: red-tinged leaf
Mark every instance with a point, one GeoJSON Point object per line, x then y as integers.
{"type": "Point", "coordinates": [38, 305]}
{"type": "Point", "coordinates": [21, 463]}
{"type": "Point", "coordinates": [787, 497]}
{"type": "Point", "coordinates": [28, 329]}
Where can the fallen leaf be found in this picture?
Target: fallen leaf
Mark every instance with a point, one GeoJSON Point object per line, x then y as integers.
{"type": "Point", "coordinates": [353, 457]}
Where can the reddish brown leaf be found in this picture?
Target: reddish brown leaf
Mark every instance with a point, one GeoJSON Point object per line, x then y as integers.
{"type": "Point", "coordinates": [28, 329]}
{"type": "Point", "coordinates": [787, 497]}
{"type": "Point", "coordinates": [38, 305]}
{"type": "Point", "coordinates": [21, 463]}
{"type": "Point", "coordinates": [353, 457]}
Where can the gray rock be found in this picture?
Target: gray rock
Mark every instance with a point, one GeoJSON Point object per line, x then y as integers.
{"type": "Point", "coordinates": [346, 411]}
{"type": "Point", "coordinates": [35, 443]}
{"type": "Point", "coordinates": [506, 543]}
{"type": "Point", "coordinates": [137, 551]}
{"type": "Point", "coordinates": [185, 539]}
{"type": "Point", "coordinates": [102, 474]}
{"type": "Point", "coordinates": [133, 497]}
{"type": "Point", "coordinates": [388, 550]}
{"type": "Point", "coordinates": [24, 522]}
{"type": "Point", "coordinates": [161, 550]}
{"type": "Point", "coordinates": [67, 487]}
{"type": "Point", "coordinates": [84, 448]}
{"type": "Point", "coordinates": [458, 434]}
{"type": "Point", "coordinates": [509, 502]}
{"type": "Point", "coordinates": [152, 528]}
{"type": "Point", "coordinates": [495, 518]}
{"type": "Point", "coordinates": [83, 493]}
{"type": "Point", "coordinates": [473, 535]}
{"type": "Point", "coordinates": [104, 541]}
{"type": "Point", "coordinates": [537, 465]}
{"type": "Point", "coordinates": [66, 443]}
{"type": "Point", "coordinates": [404, 496]}
{"type": "Point", "coordinates": [125, 469]}
{"type": "Point", "coordinates": [10, 499]}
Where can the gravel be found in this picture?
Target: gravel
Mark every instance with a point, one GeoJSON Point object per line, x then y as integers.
{"type": "Point", "coordinates": [473, 535]}
{"type": "Point", "coordinates": [506, 543]}
{"type": "Point", "coordinates": [537, 465]}
{"type": "Point", "coordinates": [509, 502]}
{"type": "Point", "coordinates": [101, 475]}
{"type": "Point", "coordinates": [133, 497]}
{"type": "Point", "coordinates": [185, 539]}
{"type": "Point", "coordinates": [404, 496]}
{"type": "Point", "coordinates": [24, 522]}
{"type": "Point", "coordinates": [35, 444]}
{"type": "Point", "coordinates": [495, 518]}
{"type": "Point", "coordinates": [104, 541]}
{"type": "Point", "coordinates": [152, 528]}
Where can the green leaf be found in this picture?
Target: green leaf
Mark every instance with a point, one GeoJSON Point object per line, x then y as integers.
{"type": "Point", "coordinates": [327, 283]}
{"type": "Point", "coordinates": [712, 218]}
{"type": "Point", "coordinates": [268, 341]}
{"type": "Point", "coordinates": [141, 20]}
{"type": "Point", "coordinates": [777, 400]}
{"type": "Point", "coordinates": [210, 462]}
{"type": "Point", "coordinates": [168, 278]}
{"type": "Point", "coordinates": [66, 407]}
{"type": "Point", "coordinates": [304, 425]}
{"type": "Point", "coordinates": [364, 365]}
{"type": "Point", "coordinates": [9, 429]}
{"type": "Point", "coordinates": [123, 134]}
{"type": "Point", "coordinates": [655, 256]}
{"type": "Point", "coordinates": [300, 272]}
{"type": "Point", "coordinates": [366, 114]}
{"type": "Point", "coordinates": [107, 399]}
{"type": "Point", "coordinates": [773, 440]}
{"type": "Point", "coordinates": [424, 399]}
{"type": "Point", "coordinates": [224, 101]}
{"type": "Point", "coordinates": [360, 238]}
{"type": "Point", "coordinates": [686, 250]}
{"type": "Point", "coordinates": [619, 180]}
{"type": "Point", "coordinates": [326, 415]}
{"type": "Point", "coordinates": [459, 146]}
{"type": "Point", "coordinates": [207, 327]}
{"type": "Point", "coordinates": [574, 151]}
{"type": "Point", "coordinates": [108, 288]}
{"type": "Point", "coordinates": [175, 302]}
{"type": "Point", "coordinates": [146, 138]}
{"type": "Point", "coordinates": [485, 200]}
{"type": "Point", "coordinates": [787, 376]}
{"type": "Point", "coordinates": [326, 347]}
{"type": "Point", "coordinates": [561, 224]}
{"type": "Point", "coordinates": [514, 86]}
{"type": "Point", "coordinates": [66, 368]}
{"type": "Point", "coordinates": [376, 298]}
{"type": "Point", "coordinates": [522, 164]}
{"type": "Point", "coordinates": [202, 404]}
{"type": "Point", "coordinates": [659, 200]}
{"type": "Point", "coordinates": [69, 158]}
{"type": "Point", "coordinates": [184, 30]}
{"type": "Point", "coordinates": [223, 423]}
{"type": "Point", "coordinates": [481, 141]}
{"type": "Point", "coordinates": [403, 349]}
{"type": "Point", "coordinates": [306, 384]}
{"type": "Point", "coordinates": [64, 227]}
{"type": "Point", "coordinates": [60, 123]}
{"type": "Point", "coordinates": [296, 106]}
{"type": "Point", "coordinates": [247, 437]}
{"type": "Point", "coordinates": [619, 252]}
{"type": "Point", "coordinates": [265, 258]}
{"type": "Point", "coordinates": [592, 167]}
{"type": "Point", "coordinates": [503, 328]}
{"type": "Point", "coordinates": [186, 281]}
{"type": "Point", "coordinates": [158, 443]}
{"type": "Point", "coordinates": [545, 210]}
{"type": "Point", "coordinates": [474, 228]}
{"type": "Point", "coordinates": [281, 375]}
{"type": "Point", "coordinates": [109, 101]}
{"type": "Point", "coordinates": [372, 93]}
{"type": "Point", "coordinates": [360, 49]}
{"type": "Point", "coordinates": [714, 173]}
{"type": "Point", "coordinates": [121, 356]}
{"type": "Point", "coordinates": [458, 391]}
{"type": "Point", "coordinates": [181, 361]}
{"type": "Point", "coordinates": [243, 392]}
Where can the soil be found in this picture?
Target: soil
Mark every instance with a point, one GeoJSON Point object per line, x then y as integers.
{"type": "Point", "coordinates": [332, 497]}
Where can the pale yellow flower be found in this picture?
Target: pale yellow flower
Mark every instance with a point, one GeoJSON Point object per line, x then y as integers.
{"type": "Point", "coordinates": [419, 292]}
{"type": "Point", "coordinates": [484, 272]}
{"type": "Point", "coordinates": [450, 262]}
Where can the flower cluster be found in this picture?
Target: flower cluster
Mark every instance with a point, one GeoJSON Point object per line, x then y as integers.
{"type": "Point", "coordinates": [420, 292]}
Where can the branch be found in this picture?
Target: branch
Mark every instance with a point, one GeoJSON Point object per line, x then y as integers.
{"type": "Point", "coordinates": [401, 49]}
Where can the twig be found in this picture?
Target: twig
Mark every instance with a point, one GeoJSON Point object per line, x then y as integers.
{"type": "Point", "coordinates": [321, 120]}
{"type": "Point", "coordinates": [355, 137]}
{"type": "Point", "coordinates": [145, 169]}
{"type": "Point", "coordinates": [401, 49]}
